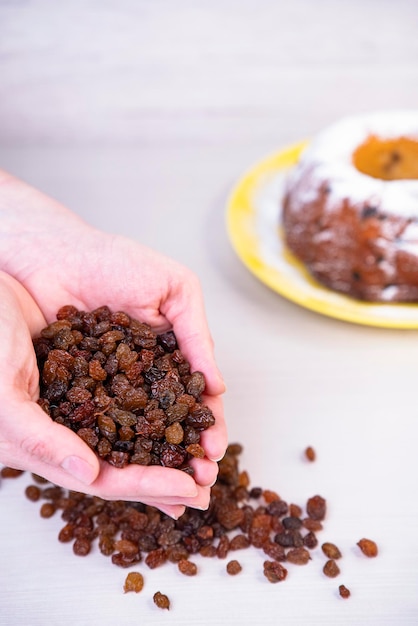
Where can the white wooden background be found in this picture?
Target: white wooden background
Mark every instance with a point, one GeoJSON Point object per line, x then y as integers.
{"type": "Point", "coordinates": [140, 116]}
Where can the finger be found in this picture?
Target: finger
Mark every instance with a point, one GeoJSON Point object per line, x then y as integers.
{"type": "Point", "coordinates": [201, 502]}
{"type": "Point", "coordinates": [174, 511]}
{"type": "Point", "coordinates": [30, 440]}
{"type": "Point", "coordinates": [151, 484]}
{"type": "Point", "coordinates": [214, 440]}
{"type": "Point", "coordinates": [184, 308]}
{"type": "Point", "coordinates": [205, 471]}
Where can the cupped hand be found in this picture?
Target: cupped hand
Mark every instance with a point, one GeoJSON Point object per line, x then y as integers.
{"type": "Point", "coordinates": [65, 261]}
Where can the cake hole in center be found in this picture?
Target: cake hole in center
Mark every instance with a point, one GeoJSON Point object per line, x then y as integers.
{"type": "Point", "coordinates": [388, 159]}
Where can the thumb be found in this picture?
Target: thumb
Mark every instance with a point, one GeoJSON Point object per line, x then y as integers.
{"type": "Point", "coordinates": [30, 440]}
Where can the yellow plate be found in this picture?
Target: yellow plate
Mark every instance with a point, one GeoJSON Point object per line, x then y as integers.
{"type": "Point", "coordinates": [253, 223]}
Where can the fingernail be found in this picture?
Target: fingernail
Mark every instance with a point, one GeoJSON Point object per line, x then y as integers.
{"type": "Point", "coordinates": [79, 469]}
{"type": "Point", "coordinates": [200, 508]}
{"type": "Point", "coordinates": [218, 459]}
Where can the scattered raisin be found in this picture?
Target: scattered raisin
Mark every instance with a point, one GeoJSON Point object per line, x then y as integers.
{"type": "Point", "coordinates": [331, 551]}
{"type": "Point", "coordinates": [344, 592]}
{"type": "Point", "coordinates": [10, 472]}
{"type": "Point", "coordinates": [233, 567]}
{"type": "Point", "coordinates": [47, 509]}
{"type": "Point", "coordinates": [133, 582]}
{"type": "Point", "coordinates": [368, 547]}
{"type": "Point", "coordinates": [310, 454]}
{"type": "Point", "coordinates": [316, 508]}
{"type": "Point", "coordinates": [331, 569]}
{"type": "Point", "coordinates": [161, 600]}
{"type": "Point", "coordinates": [33, 493]}
{"type": "Point", "coordinates": [186, 567]}
{"type": "Point", "coordinates": [274, 571]}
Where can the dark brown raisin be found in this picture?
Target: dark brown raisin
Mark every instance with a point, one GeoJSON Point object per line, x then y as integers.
{"type": "Point", "coordinates": [344, 592]}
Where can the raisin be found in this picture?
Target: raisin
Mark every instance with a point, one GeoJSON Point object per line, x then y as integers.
{"type": "Point", "coordinates": [47, 509]}
{"type": "Point", "coordinates": [368, 547]}
{"type": "Point", "coordinates": [33, 493]}
{"type": "Point", "coordinates": [239, 542]}
{"type": "Point", "coordinates": [298, 556]}
{"type": "Point", "coordinates": [331, 569]}
{"type": "Point", "coordinates": [222, 547]}
{"type": "Point", "coordinates": [312, 524]}
{"type": "Point", "coordinates": [310, 454]}
{"type": "Point", "coordinates": [316, 508]}
{"type": "Point", "coordinates": [196, 450]}
{"type": "Point", "coordinates": [310, 540]}
{"type": "Point", "coordinates": [174, 433]}
{"type": "Point", "coordinates": [187, 568]}
{"type": "Point", "coordinates": [196, 384]}
{"type": "Point", "coordinates": [295, 511]}
{"type": "Point", "coordinates": [133, 582]}
{"type": "Point", "coordinates": [66, 533]}
{"type": "Point", "coordinates": [88, 436]}
{"type": "Point", "coordinates": [233, 567]}
{"type": "Point", "coordinates": [344, 592]}
{"type": "Point", "coordinates": [156, 558]}
{"type": "Point", "coordinates": [291, 523]}
{"type": "Point", "coordinates": [81, 546]}
{"type": "Point", "coordinates": [127, 548]}
{"type": "Point", "coordinates": [123, 560]}
{"type": "Point", "coordinates": [168, 341]}
{"type": "Point", "coordinates": [172, 455]}
{"type": "Point", "coordinates": [274, 551]}
{"type": "Point", "coordinates": [161, 600]}
{"type": "Point", "coordinates": [274, 571]}
{"type": "Point", "coordinates": [331, 551]}
{"type": "Point", "coordinates": [114, 382]}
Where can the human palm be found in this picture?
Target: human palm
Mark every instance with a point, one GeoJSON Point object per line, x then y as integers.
{"type": "Point", "coordinates": [65, 261]}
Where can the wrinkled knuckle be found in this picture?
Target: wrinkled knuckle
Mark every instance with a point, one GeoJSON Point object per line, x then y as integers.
{"type": "Point", "coordinates": [36, 447]}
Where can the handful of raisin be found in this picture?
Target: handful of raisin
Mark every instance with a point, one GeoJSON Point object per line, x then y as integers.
{"type": "Point", "coordinates": [127, 391]}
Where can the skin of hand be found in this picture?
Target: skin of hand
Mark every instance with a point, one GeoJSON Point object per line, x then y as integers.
{"type": "Point", "coordinates": [50, 257]}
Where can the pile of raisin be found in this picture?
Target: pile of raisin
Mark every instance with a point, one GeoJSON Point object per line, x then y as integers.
{"type": "Point", "coordinates": [239, 517]}
{"type": "Point", "coordinates": [127, 391]}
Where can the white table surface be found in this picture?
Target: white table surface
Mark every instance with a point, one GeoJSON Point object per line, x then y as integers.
{"type": "Point", "coordinates": [141, 116]}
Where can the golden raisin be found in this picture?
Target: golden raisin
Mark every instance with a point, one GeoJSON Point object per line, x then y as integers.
{"type": "Point", "coordinates": [133, 582]}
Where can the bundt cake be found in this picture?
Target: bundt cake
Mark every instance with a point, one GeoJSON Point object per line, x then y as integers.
{"type": "Point", "coordinates": [350, 207]}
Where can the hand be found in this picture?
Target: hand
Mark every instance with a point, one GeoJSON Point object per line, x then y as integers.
{"type": "Point", "coordinates": [59, 259]}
